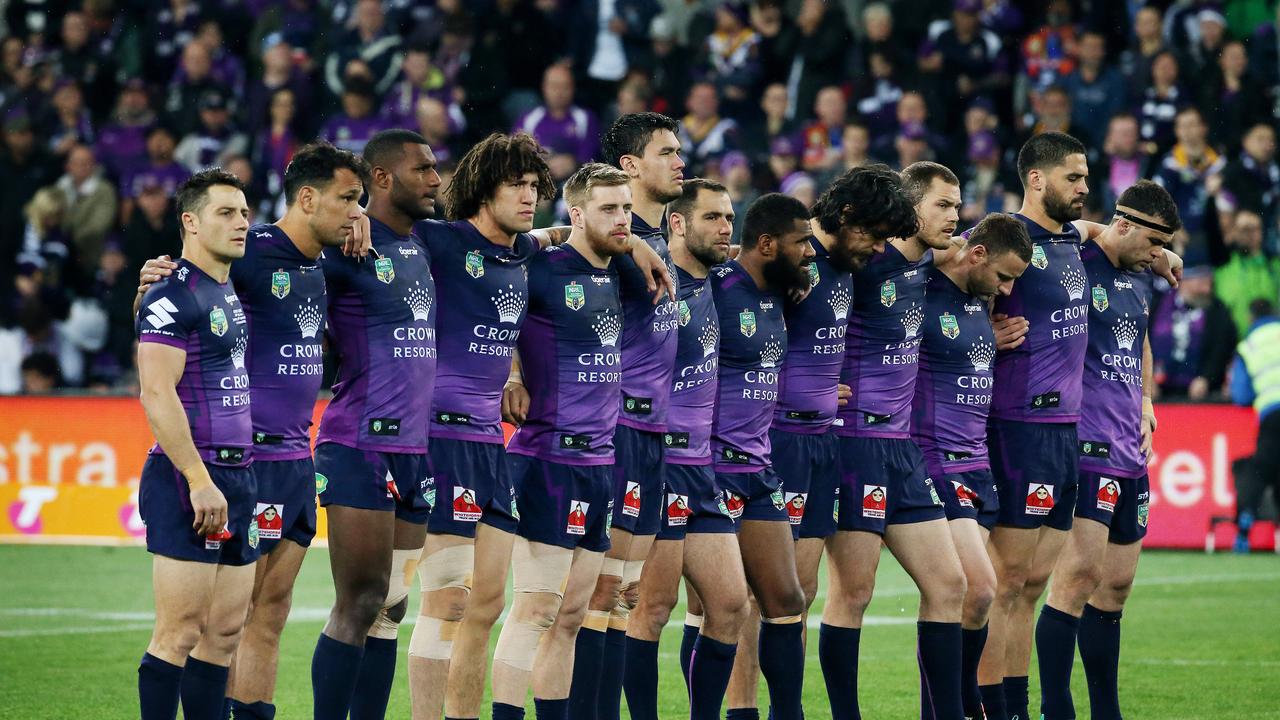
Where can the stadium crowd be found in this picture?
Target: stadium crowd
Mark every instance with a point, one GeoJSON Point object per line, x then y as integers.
{"type": "Point", "coordinates": [106, 107]}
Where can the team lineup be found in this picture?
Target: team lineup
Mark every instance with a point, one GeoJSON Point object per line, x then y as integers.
{"type": "Point", "coordinates": [851, 376]}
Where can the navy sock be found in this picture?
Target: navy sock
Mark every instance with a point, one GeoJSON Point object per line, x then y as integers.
{"type": "Point", "coordinates": [687, 639]}
{"type": "Point", "coordinates": [251, 711]}
{"type": "Point", "coordinates": [335, 667]}
{"type": "Point", "coordinates": [377, 673]}
{"type": "Point", "coordinates": [742, 714]}
{"type": "Point", "coordinates": [993, 702]}
{"type": "Point", "coordinates": [782, 665]}
{"type": "Point", "coordinates": [971, 643]}
{"type": "Point", "coordinates": [552, 709]}
{"type": "Point", "coordinates": [203, 688]}
{"type": "Point", "coordinates": [503, 711]}
{"type": "Point", "coordinates": [1099, 641]}
{"type": "Point", "coordinates": [584, 693]}
{"type": "Point", "coordinates": [612, 670]}
{"type": "Point", "coordinates": [838, 655]}
{"type": "Point", "coordinates": [709, 670]}
{"type": "Point", "coordinates": [1056, 651]}
{"type": "Point", "coordinates": [938, 652]}
{"type": "Point", "coordinates": [1015, 697]}
{"type": "Point", "coordinates": [641, 679]}
{"type": "Point", "coordinates": [159, 686]}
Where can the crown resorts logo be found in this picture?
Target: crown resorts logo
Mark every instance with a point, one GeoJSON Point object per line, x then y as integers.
{"type": "Point", "coordinates": [237, 352]}
{"type": "Point", "coordinates": [771, 353]}
{"type": "Point", "coordinates": [911, 321]}
{"type": "Point", "coordinates": [1073, 282]}
{"type": "Point", "coordinates": [309, 320]}
{"type": "Point", "coordinates": [1126, 331]}
{"type": "Point", "coordinates": [607, 328]}
{"type": "Point", "coordinates": [709, 338]}
{"type": "Point", "coordinates": [509, 304]}
{"type": "Point", "coordinates": [419, 302]}
{"type": "Point", "coordinates": [981, 354]}
{"type": "Point", "coordinates": [839, 301]}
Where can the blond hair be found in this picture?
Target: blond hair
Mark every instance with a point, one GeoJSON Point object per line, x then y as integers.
{"type": "Point", "coordinates": [48, 203]}
{"type": "Point", "coordinates": [589, 177]}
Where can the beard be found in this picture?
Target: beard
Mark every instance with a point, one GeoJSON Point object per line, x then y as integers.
{"type": "Point", "coordinates": [1059, 209]}
{"type": "Point", "coordinates": [783, 276]}
{"type": "Point", "coordinates": [707, 254]}
{"type": "Point", "coordinates": [846, 259]}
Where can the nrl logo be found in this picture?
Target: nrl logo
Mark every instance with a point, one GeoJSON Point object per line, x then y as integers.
{"type": "Point", "coordinates": [280, 284]}
{"type": "Point", "coordinates": [475, 264]}
{"type": "Point", "coordinates": [218, 322]}
{"type": "Point", "coordinates": [384, 270]}
{"type": "Point", "coordinates": [574, 297]}
{"type": "Point", "coordinates": [1038, 259]}
{"type": "Point", "coordinates": [1100, 300]}
{"type": "Point", "coordinates": [747, 323]}
{"type": "Point", "coordinates": [888, 293]}
{"type": "Point", "coordinates": [950, 327]}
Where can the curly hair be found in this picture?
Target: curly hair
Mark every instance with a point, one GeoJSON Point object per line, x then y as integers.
{"type": "Point", "coordinates": [870, 197]}
{"type": "Point", "coordinates": [493, 161]}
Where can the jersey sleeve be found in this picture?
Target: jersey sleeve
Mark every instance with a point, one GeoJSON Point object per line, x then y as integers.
{"type": "Point", "coordinates": [168, 315]}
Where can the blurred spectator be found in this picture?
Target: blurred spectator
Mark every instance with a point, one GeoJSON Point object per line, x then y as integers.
{"type": "Point", "coordinates": [1191, 172]}
{"type": "Point", "coordinates": [962, 59]}
{"type": "Point", "coordinates": [192, 82]}
{"type": "Point", "coordinates": [1097, 90]}
{"type": "Point", "coordinates": [877, 100]}
{"type": "Point", "coordinates": [1145, 44]}
{"type": "Point", "coordinates": [879, 42]}
{"type": "Point", "coordinates": [912, 111]}
{"type": "Point", "coordinates": [1049, 54]}
{"type": "Point", "coordinates": [214, 137]}
{"type": "Point", "coordinates": [811, 52]}
{"type": "Point", "coordinates": [735, 174]}
{"type": "Point", "coordinates": [704, 134]}
{"type": "Point", "coordinates": [670, 67]}
{"type": "Point", "coordinates": [24, 168]}
{"type": "Point", "coordinates": [532, 40]}
{"type": "Point", "coordinates": [783, 161]}
{"type": "Point", "coordinates": [90, 208]}
{"type": "Point", "coordinates": [633, 96]}
{"type": "Point", "coordinates": [40, 374]}
{"type": "Point", "coordinates": [372, 41]}
{"type": "Point", "coordinates": [113, 292]}
{"type": "Point", "coordinates": [1264, 53]}
{"type": "Point", "coordinates": [275, 145]}
{"type": "Point", "coordinates": [123, 141]}
{"type": "Point", "coordinates": [855, 142]}
{"type": "Point", "coordinates": [1160, 103]}
{"type": "Point", "coordinates": [1254, 381]}
{"type": "Point", "coordinates": [279, 71]}
{"type": "Point", "coordinates": [67, 123]}
{"type": "Point", "coordinates": [1246, 273]}
{"type": "Point", "coordinates": [419, 79]}
{"type": "Point", "coordinates": [1200, 58]}
{"type": "Point", "coordinates": [1231, 99]}
{"type": "Point", "coordinates": [38, 311]}
{"type": "Point", "coordinates": [46, 244]}
{"type": "Point", "coordinates": [801, 186]}
{"type": "Point", "coordinates": [477, 68]}
{"type": "Point", "coordinates": [1052, 113]}
{"type": "Point", "coordinates": [80, 61]}
{"type": "Point", "coordinates": [772, 123]}
{"type": "Point", "coordinates": [225, 67]}
{"type": "Point", "coordinates": [821, 138]}
{"type": "Point", "coordinates": [173, 26]}
{"type": "Point", "coordinates": [153, 230]}
{"type": "Point", "coordinates": [911, 146]}
{"type": "Point", "coordinates": [558, 124]}
{"type": "Point", "coordinates": [1192, 337]}
{"type": "Point", "coordinates": [434, 123]}
{"type": "Point", "coordinates": [352, 128]}
{"type": "Point", "coordinates": [298, 22]}
{"type": "Point", "coordinates": [1121, 164]}
{"type": "Point", "coordinates": [606, 38]}
{"type": "Point", "coordinates": [985, 186]}
{"type": "Point", "coordinates": [160, 168]}
{"type": "Point", "coordinates": [730, 58]}
{"type": "Point", "coordinates": [1252, 182]}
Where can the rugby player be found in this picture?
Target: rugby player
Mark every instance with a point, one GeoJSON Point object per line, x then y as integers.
{"type": "Point", "coordinates": [696, 534]}
{"type": "Point", "coordinates": [197, 491]}
{"type": "Point", "coordinates": [1095, 571]}
{"type": "Point", "coordinates": [949, 411]}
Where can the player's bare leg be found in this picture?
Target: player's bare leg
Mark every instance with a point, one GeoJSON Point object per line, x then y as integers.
{"type": "Point", "coordinates": [381, 646]}
{"type": "Point", "coordinates": [692, 627]}
{"type": "Point", "coordinates": [253, 673]}
{"type": "Point", "coordinates": [445, 579]}
{"type": "Point", "coordinates": [1022, 616]}
{"type": "Point", "coordinates": [970, 540]}
{"type": "Point", "coordinates": [1012, 551]}
{"type": "Point", "coordinates": [853, 557]}
{"type": "Point", "coordinates": [467, 666]}
{"type": "Point", "coordinates": [541, 573]}
{"type": "Point", "coordinates": [768, 556]}
{"type": "Point", "coordinates": [744, 682]}
{"type": "Point", "coordinates": [553, 665]}
{"type": "Point", "coordinates": [183, 593]}
{"type": "Point", "coordinates": [808, 559]}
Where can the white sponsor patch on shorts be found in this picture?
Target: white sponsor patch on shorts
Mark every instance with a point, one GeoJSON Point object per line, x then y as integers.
{"type": "Point", "coordinates": [678, 511]}
{"type": "Point", "coordinates": [795, 506]}
{"type": "Point", "coordinates": [1039, 499]}
{"type": "Point", "coordinates": [1108, 493]}
{"type": "Point", "coordinates": [874, 500]}
{"type": "Point", "coordinates": [270, 518]}
{"type": "Point", "coordinates": [465, 508]}
{"type": "Point", "coordinates": [577, 524]}
{"type": "Point", "coordinates": [631, 500]}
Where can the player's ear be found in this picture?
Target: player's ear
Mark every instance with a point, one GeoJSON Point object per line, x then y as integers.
{"type": "Point", "coordinates": [629, 165]}
{"type": "Point", "coordinates": [978, 253]}
{"type": "Point", "coordinates": [676, 221]}
{"type": "Point", "coordinates": [767, 246]}
{"type": "Point", "coordinates": [576, 217]}
{"type": "Point", "coordinates": [307, 199]}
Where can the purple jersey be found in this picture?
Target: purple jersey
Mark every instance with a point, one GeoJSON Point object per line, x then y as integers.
{"type": "Point", "coordinates": [648, 339]}
{"type": "Point", "coordinates": [167, 177]}
{"type": "Point", "coordinates": [482, 292]}
{"type": "Point", "coordinates": [201, 316]}
{"type": "Point", "coordinates": [1039, 381]}
{"type": "Point", "coordinates": [569, 353]}
{"type": "Point", "coordinates": [953, 388]}
{"type": "Point", "coordinates": [282, 292]}
{"type": "Point", "coordinates": [383, 333]}
{"type": "Point", "coordinates": [816, 326]}
{"type": "Point", "coordinates": [1111, 413]}
{"type": "Point", "coordinates": [351, 133]}
{"type": "Point", "coordinates": [753, 343]}
{"type": "Point", "coordinates": [575, 133]}
{"type": "Point", "coordinates": [883, 345]}
{"type": "Point", "coordinates": [693, 390]}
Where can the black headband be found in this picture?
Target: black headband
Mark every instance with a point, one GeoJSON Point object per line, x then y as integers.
{"type": "Point", "coordinates": [1144, 222]}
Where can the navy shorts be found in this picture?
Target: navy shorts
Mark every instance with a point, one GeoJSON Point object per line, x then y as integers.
{"type": "Point", "coordinates": [569, 506]}
{"type": "Point", "coordinates": [286, 502]}
{"type": "Point", "coordinates": [164, 503]}
{"type": "Point", "coordinates": [373, 480]}
{"type": "Point", "coordinates": [473, 480]}
{"type": "Point", "coordinates": [1036, 468]}
{"type": "Point", "coordinates": [884, 482]}
{"type": "Point", "coordinates": [753, 495]}
{"type": "Point", "coordinates": [637, 474]}
{"type": "Point", "coordinates": [1120, 503]}
{"type": "Point", "coordinates": [693, 503]}
{"type": "Point", "coordinates": [809, 467]}
{"type": "Point", "coordinates": [970, 495]}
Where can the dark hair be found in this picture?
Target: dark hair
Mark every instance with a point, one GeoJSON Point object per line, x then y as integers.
{"type": "Point", "coordinates": [45, 364]}
{"type": "Point", "coordinates": [1057, 89]}
{"type": "Point", "coordinates": [1150, 198]}
{"type": "Point", "coordinates": [772, 214]}
{"type": "Point", "coordinates": [1189, 109]}
{"type": "Point", "coordinates": [1045, 152]}
{"type": "Point", "coordinates": [314, 166]}
{"type": "Point", "coordinates": [870, 197]}
{"type": "Point", "coordinates": [194, 193]}
{"type": "Point", "coordinates": [631, 133]}
{"type": "Point", "coordinates": [918, 176]}
{"type": "Point", "coordinates": [689, 194]}
{"type": "Point", "coordinates": [495, 160]}
{"type": "Point", "coordinates": [999, 234]}
{"type": "Point", "coordinates": [1260, 308]}
{"type": "Point", "coordinates": [386, 148]}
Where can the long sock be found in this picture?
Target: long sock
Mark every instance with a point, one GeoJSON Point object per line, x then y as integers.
{"type": "Point", "coordinates": [641, 679]}
{"type": "Point", "coordinates": [1056, 651]}
{"type": "Point", "coordinates": [687, 639]}
{"type": "Point", "coordinates": [584, 693]}
{"type": "Point", "coordinates": [938, 652]}
{"type": "Point", "coordinates": [251, 711]}
{"type": "Point", "coordinates": [612, 671]}
{"type": "Point", "coordinates": [993, 702]}
{"type": "Point", "coordinates": [1015, 697]}
{"type": "Point", "coordinates": [204, 686]}
{"type": "Point", "coordinates": [159, 686]}
{"type": "Point", "coordinates": [1099, 641]}
{"type": "Point", "coordinates": [709, 670]}
{"type": "Point", "coordinates": [838, 655]}
{"type": "Point", "coordinates": [971, 643]}
{"type": "Point", "coordinates": [552, 709]}
{"type": "Point", "coordinates": [503, 711]}
{"type": "Point", "coordinates": [335, 667]}
{"type": "Point", "coordinates": [782, 665]}
{"type": "Point", "coordinates": [377, 673]}
{"type": "Point", "coordinates": [742, 714]}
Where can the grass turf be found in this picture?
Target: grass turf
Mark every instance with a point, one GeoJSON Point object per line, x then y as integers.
{"type": "Point", "coordinates": [1201, 639]}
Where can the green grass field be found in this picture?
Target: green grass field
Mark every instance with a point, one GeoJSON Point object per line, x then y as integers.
{"type": "Point", "coordinates": [1201, 639]}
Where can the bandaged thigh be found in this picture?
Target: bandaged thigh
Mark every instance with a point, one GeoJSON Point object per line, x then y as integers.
{"type": "Point", "coordinates": [404, 563]}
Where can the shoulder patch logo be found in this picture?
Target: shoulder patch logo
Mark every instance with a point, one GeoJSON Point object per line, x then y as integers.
{"type": "Point", "coordinates": [747, 323]}
{"type": "Point", "coordinates": [280, 284]}
{"type": "Point", "coordinates": [475, 264]}
{"type": "Point", "coordinates": [1100, 300]}
{"type": "Point", "coordinates": [888, 293]}
{"type": "Point", "coordinates": [574, 298]}
{"type": "Point", "coordinates": [384, 270]}
{"type": "Point", "coordinates": [950, 327]}
{"type": "Point", "coordinates": [161, 312]}
{"type": "Point", "coordinates": [218, 321]}
{"type": "Point", "coordinates": [1038, 259]}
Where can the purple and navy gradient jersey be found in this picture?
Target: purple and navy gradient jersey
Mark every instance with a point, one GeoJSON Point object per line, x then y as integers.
{"type": "Point", "coordinates": [882, 348]}
{"type": "Point", "coordinates": [481, 293]}
{"type": "Point", "coordinates": [1110, 428]}
{"type": "Point", "coordinates": [1039, 381]}
{"type": "Point", "coordinates": [816, 327]}
{"type": "Point", "coordinates": [282, 292]}
{"type": "Point", "coordinates": [382, 329]}
{"type": "Point", "coordinates": [199, 315]}
{"type": "Point", "coordinates": [753, 343]}
{"type": "Point", "coordinates": [693, 391]}
{"type": "Point", "coordinates": [953, 387]}
{"type": "Point", "coordinates": [571, 359]}
{"type": "Point", "coordinates": [648, 339]}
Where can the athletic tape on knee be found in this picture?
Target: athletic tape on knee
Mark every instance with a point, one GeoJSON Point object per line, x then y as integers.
{"type": "Point", "coordinates": [432, 638]}
{"type": "Point", "coordinates": [518, 644]}
{"type": "Point", "coordinates": [404, 563]}
{"type": "Point", "coordinates": [544, 571]}
{"type": "Point", "coordinates": [613, 567]}
{"type": "Point", "coordinates": [692, 620]}
{"type": "Point", "coordinates": [449, 567]}
{"type": "Point", "coordinates": [784, 620]}
{"type": "Point", "coordinates": [620, 617]}
{"type": "Point", "coordinates": [597, 620]}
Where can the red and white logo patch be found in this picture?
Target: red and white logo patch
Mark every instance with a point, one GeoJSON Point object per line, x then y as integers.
{"type": "Point", "coordinates": [631, 500]}
{"type": "Point", "coordinates": [270, 520]}
{"type": "Point", "coordinates": [964, 495]}
{"type": "Point", "coordinates": [1039, 499]}
{"type": "Point", "coordinates": [213, 541]}
{"type": "Point", "coordinates": [795, 507]}
{"type": "Point", "coordinates": [734, 503]}
{"type": "Point", "coordinates": [678, 510]}
{"type": "Point", "coordinates": [1108, 494]}
{"type": "Point", "coordinates": [577, 524]}
{"type": "Point", "coordinates": [393, 492]}
{"type": "Point", "coordinates": [874, 499]}
{"type": "Point", "coordinates": [465, 508]}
